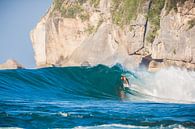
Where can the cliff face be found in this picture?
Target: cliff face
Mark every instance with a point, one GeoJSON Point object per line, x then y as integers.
{"type": "Point", "coordinates": [109, 31]}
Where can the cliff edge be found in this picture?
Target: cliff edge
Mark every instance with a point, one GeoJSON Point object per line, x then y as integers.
{"type": "Point", "coordinates": [154, 33]}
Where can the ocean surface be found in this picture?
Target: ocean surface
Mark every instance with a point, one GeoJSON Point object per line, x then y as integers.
{"type": "Point", "coordinates": [94, 98]}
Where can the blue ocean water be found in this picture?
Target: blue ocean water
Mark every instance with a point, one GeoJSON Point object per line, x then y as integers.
{"type": "Point", "coordinates": [91, 97]}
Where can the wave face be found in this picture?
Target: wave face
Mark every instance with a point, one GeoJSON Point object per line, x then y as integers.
{"type": "Point", "coordinates": [90, 97]}
{"type": "Point", "coordinates": [61, 83]}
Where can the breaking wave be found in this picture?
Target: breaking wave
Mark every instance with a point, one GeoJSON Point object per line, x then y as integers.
{"type": "Point", "coordinates": [100, 82]}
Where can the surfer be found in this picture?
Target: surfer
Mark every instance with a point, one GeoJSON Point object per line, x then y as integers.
{"type": "Point", "coordinates": [125, 81]}
{"type": "Point", "coordinates": [125, 84]}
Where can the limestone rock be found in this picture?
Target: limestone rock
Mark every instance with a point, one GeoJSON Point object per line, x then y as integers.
{"type": "Point", "coordinates": [70, 41]}
{"type": "Point", "coordinates": [10, 64]}
{"type": "Point", "coordinates": [176, 41]}
{"type": "Point", "coordinates": [88, 36]}
{"type": "Point", "coordinates": [155, 66]}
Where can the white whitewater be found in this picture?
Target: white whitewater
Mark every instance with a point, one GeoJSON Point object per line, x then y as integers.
{"type": "Point", "coordinates": [172, 85]}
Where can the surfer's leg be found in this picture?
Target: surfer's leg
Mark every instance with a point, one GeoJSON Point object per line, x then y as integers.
{"type": "Point", "coordinates": [122, 94]}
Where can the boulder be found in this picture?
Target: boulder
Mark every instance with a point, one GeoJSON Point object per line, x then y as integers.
{"type": "Point", "coordinates": [10, 64]}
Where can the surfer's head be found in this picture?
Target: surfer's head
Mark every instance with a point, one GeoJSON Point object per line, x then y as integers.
{"type": "Point", "coordinates": [123, 77]}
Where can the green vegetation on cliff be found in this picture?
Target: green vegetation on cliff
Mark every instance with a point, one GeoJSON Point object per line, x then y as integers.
{"type": "Point", "coordinates": [154, 18]}
{"type": "Point", "coordinates": [172, 4]}
{"type": "Point", "coordinates": [84, 16]}
{"type": "Point", "coordinates": [90, 29]}
{"type": "Point", "coordinates": [58, 4]}
{"type": "Point", "coordinates": [124, 11]}
{"type": "Point", "coordinates": [69, 9]}
{"type": "Point", "coordinates": [191, 23]}
{"type": "Point", "coordinates": [154, 15]}
{"type": "Point", "coordinates": [95, 2]}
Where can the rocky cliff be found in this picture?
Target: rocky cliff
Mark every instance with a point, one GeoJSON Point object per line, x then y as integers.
{"type": "Point", "coordinates": [156, 33]}
{"type": "Point", "coordinates": [10, 64]}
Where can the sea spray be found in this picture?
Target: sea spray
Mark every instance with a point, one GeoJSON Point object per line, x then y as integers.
{"type": "Point", "coordinates": [167, 85]}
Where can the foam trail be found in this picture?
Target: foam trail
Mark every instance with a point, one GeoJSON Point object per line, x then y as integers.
{"type": "Point", "coordinates": [121, 126]}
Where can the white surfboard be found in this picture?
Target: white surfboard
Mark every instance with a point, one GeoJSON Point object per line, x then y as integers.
{"type": "Point", "coordinates": [126, 86]}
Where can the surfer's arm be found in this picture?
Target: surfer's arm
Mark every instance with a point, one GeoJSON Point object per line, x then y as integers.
{"type": "Point", "coordinates": [126, 81]}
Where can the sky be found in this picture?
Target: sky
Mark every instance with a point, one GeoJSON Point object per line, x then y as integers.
{"type": "Point", "coordinates": [17, 19]}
